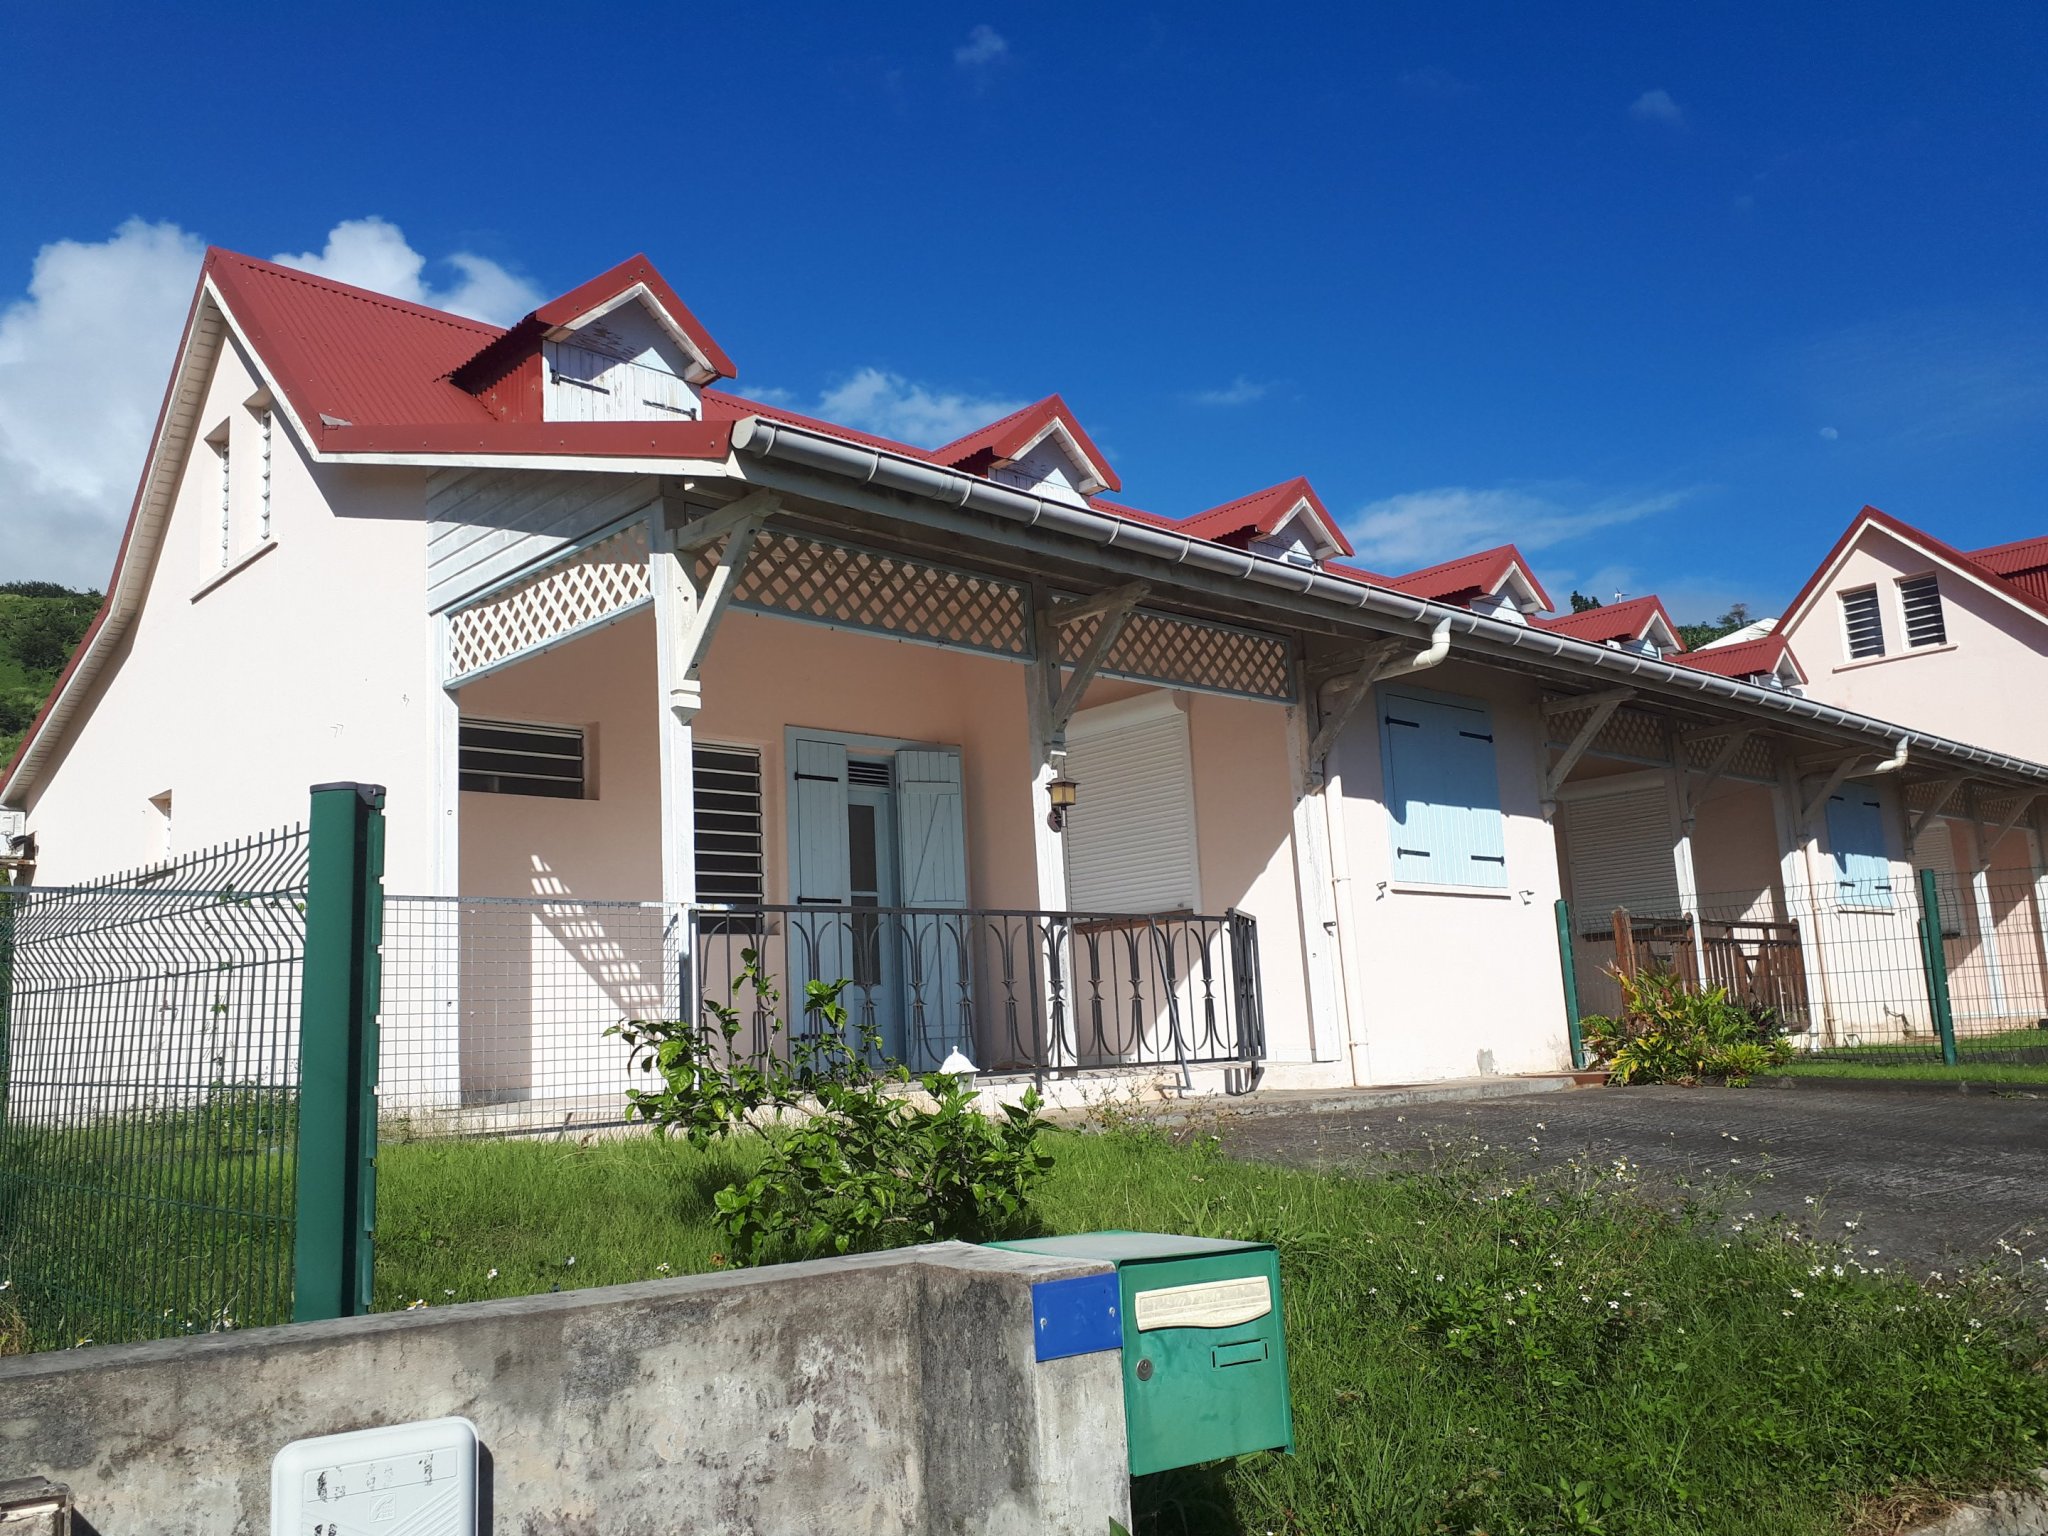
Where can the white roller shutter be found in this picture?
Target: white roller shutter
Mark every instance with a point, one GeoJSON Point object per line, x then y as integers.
{"type": "Point", "coordinates": [1620, 854]}
{"type": "Point", "coordinates": [1130, 839]}
{"type": "Point", "coordinates": [1936, 850]}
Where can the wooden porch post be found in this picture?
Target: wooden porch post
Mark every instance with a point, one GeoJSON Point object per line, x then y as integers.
{"type": "Point", "coordinates": [675, 601]}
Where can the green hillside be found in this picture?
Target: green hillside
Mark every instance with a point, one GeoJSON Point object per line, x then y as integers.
{"type": "Point", "coordinates": [40, 624]}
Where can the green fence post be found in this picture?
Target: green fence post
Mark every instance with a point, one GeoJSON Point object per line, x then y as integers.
{"type": "Point", "coordinates": [337, 1156]}
{"type": "Point", "coordinates": [1936, 960]}
{"type": "Point", "coordinates": [1571, 983]}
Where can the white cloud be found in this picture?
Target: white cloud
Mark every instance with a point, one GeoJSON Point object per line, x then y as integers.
{"type": "Point", "coordinates": [984, 45]}
{"type": "Point", "coordinates": [1829, 433]}
{"type": "Point", "coordinates": [1239, 391]}
{"type": "Point", "coordinates": [86, 351]}
{"type": "Point", "coordinates": [1422, 528]}
{"type": "Point", "coordinates": [1656, 107]}
{"type": "Point", "coordinates": [891, 405]}
{"type": "Point", "coordinates": [373, 253]}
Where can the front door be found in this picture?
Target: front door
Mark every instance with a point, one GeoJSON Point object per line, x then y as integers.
{"type": "Point", "coordinates": [878, 849]}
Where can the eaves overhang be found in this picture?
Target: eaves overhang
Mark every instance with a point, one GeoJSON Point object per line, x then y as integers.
{"type": "Point", "coordinates": [1281, 588]}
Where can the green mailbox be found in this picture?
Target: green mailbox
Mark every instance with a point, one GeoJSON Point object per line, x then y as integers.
{"type": "Point", "coordinates": [1205, 1358]}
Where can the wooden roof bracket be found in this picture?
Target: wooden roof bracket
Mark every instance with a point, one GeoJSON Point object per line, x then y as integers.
{"type": "Point", "coordinates": [700, 608]}
{"type": "Point", "coordinates": [1944, 793]}
{"type": "Point", "coordinates": [1689, 793]}
{"type": "Point", "coordinates": [1116, 607]}
{"type": "Point", "coordinates": [1603, 707]}
{"type": "Point", "coordinates": [1986, 846]}
{"type": "Point", "coordinates": [1844, 768]}
{"type": "Point", "coordinates": [1381, 664]}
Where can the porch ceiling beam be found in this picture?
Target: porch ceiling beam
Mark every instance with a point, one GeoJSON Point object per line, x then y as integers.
{"type": "Point", "coordinates": [1125, 597]}
{"type": "Point", "coordinates": [1986, 846]}
{"type": "Point", "coordinates": [1608, 699]}
{"type": "Point", "coordinates": [1718, 728]}
{"type": "Point", "coordinates": [1555, 775]}
{"type": "Point", "coordinates": [1115, 616]}
{"type": "Point", "coordinates": [689, 537]}
{"type": "Point", "coordinates": [1944, 792]}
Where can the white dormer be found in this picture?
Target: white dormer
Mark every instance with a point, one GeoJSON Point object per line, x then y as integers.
{"type": "Point", "coordinates": [1301, 540]}
{"type": "Point", "coordinates": [622, 364]}
{"type": "Point", "coordinates": [1053, 466]}
{"type": "Point", "coordinates": [1508, 605]}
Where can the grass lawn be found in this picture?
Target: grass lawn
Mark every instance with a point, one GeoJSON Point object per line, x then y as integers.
{"type": "Point", "coordinates": [1472, 1350]}
{"type": "Point", "coordinates": [2018, 1073]}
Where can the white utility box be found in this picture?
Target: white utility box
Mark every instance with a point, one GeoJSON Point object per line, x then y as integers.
{"type": "Point", "coordinates": [418, 1478]}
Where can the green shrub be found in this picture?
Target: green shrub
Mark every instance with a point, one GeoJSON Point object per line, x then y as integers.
{"type": "Point", "coordinates": [855, 1159]}
{"type": "Point", "coordinates": [1671, 1033]}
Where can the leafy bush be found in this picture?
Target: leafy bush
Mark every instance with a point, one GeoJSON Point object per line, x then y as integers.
{"type": "Point", "coordinates": [1671, 1033]}
{"type": "Point", "coordinates": [855, 1159]}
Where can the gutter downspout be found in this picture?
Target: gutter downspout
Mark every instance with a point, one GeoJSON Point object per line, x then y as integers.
{"type": "Point", "coordinates": [1350, 951]}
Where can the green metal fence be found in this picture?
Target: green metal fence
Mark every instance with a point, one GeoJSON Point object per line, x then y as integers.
{"type": "Point", "coordinates": [1941, 970]}
{"type": "Point", "coordinates": [182, 1090]}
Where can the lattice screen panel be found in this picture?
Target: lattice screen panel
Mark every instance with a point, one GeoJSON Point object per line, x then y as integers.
{"type": "Point", "coordinates": [597, 582]}
{"type": "Point", "coordinates": [803, 577]}
{"type": "Point", "coordinates": [1756, 759]}
{"type": "Point", "coordinates": [1628, 733]}
{"type": "Point", "coordinates": [1156, 648]}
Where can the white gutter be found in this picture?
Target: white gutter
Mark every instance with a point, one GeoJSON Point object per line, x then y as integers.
{"type": "Point", "coordinates": [1479, 636]}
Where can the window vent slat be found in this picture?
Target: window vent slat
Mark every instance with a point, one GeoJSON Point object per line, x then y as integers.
{"type": "Point", "coordinates": [726, 807]}
{"type": "Point", "coordinates": [508, 757]}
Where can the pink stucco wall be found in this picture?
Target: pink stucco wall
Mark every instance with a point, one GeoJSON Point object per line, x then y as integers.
{"type": "Point", "coordinates": [1963, 689]}
{"type": "Point", "coordinates": [764, 674]}
{"type": "Point", "coordinates": [314, 662]}
{"type": "Point", "coordinates": [1454, 984]}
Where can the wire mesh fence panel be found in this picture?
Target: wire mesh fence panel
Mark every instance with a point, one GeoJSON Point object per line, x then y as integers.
{"type": "Point", "coordinates": [494, 1012]}
{"type": "Point", "coordinates": [1846, 968]}
{"type": "Point", "coordinates": [148, 1096]}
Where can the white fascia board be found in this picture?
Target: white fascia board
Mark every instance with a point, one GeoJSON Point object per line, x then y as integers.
{"type": "Point", "coordinates": [709, 468]}
{"type": "Point", "coordinates": [1525, 595]}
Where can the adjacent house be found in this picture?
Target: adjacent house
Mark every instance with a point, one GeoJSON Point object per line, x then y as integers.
{"type": "Point", "coordinates": [654, 673]}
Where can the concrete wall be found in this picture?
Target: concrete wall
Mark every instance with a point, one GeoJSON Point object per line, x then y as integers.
{"type": "Point", "coordinates": [234, 692]}
{"type": "Point", "coordinates": [1963, 689]}
{"type": "Point", "coordinates": [891, 1392]}
{"type": "Point", "coordinates": [1452, 983]}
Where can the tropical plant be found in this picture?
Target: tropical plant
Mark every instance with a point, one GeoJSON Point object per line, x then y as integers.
{"type": "Point", "coordinates": [1668, 1032]}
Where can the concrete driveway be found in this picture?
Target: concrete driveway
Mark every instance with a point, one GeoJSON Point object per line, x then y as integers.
{"type": "Point", "coordinates": [1931, 1178]}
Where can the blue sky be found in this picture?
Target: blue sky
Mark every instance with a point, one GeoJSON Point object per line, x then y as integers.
{"type": "Point", "coordinates": [1662, 293]}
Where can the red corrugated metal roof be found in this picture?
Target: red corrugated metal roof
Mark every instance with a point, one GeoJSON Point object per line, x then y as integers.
{"type": "Point", "coordinates": [1482, 572]}
{"type": "Point", "coordinates": [1748, 659]}
{"type": "Point", "coordinates": [347, 353]}
{"type": "Point", "coordinates": [1007, 438]}
{"type": "Point", "coordinates": [1263, 512]}
{"type": "Point", "coordinates": [2015, 559]}
{"type": "Point", "coordinates": [1628, 620]}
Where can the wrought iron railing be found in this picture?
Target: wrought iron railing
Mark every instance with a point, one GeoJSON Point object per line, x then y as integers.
{"type": "Point", "coordinates": [1011, 990]}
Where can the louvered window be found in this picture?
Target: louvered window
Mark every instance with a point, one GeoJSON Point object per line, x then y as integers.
{"type": "Point", "coordinates": [1864, 622]}
{"type": "Point", "coordinates": [506, 757]}
{"type": "Point", "coordinates": [1920, 600]}
{"type": "Point", "coordinates": [731, 862]}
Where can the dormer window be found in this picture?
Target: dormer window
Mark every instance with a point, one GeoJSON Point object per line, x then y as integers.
{"type": "Point", "coordinates": [1499, 605]}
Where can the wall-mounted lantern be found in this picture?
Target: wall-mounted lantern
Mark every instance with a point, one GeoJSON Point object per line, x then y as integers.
{"type": "Point", "coordinates": [1063, 792]}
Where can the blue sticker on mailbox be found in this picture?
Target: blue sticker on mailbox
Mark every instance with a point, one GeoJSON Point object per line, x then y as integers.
{"type": "Point", "coordinates": [1078, 1316]}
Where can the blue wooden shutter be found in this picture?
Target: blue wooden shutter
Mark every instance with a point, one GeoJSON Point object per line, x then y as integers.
{"type": "Point", "coordinates": [932, 865]}
{"type": "Point", "coordinates": [819, 943]}
{"type": "Point", "coordinates": [1863, 873]}
{"type": "Point", "coordinates": [1443, 793]}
